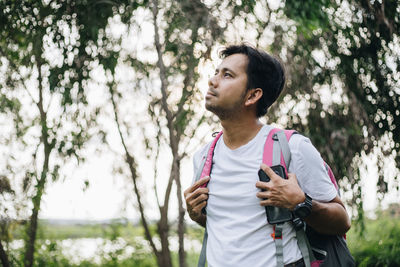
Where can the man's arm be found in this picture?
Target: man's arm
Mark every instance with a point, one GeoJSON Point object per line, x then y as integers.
{"type": "Point", "coordinates": [196, 199]}
{"type": "Point", "coordinates": [326, 218]}
{"type": "Point", "coordinates": [332, 214]}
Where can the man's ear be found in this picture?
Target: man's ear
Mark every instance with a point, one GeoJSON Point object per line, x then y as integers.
{"type": "Point", "coordinates": [253, 95]}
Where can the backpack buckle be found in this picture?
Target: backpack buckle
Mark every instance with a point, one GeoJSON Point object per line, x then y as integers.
{"type": "Point", "coordinates": [277, 234]}
{"type": "Point", "coordinates": [298, 223]}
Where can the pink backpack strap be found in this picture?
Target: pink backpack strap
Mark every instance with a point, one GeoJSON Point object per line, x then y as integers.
{"type": "Point", "coordinates": [331, 176]}
{"type": "Point", "coordinates": [269, 143]}
{"type": "Point", "coordinates": [209, 157]}
{"type": "Point", "coordinates": [272, 140]}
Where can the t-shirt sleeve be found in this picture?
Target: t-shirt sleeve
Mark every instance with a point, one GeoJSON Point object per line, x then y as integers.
{"type": "Point", "coordinates": [310, 171]}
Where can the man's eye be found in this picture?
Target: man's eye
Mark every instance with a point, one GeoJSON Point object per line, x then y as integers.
{"type": "Point", "coordinates": [226, 74]}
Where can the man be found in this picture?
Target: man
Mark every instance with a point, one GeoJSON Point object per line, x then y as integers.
{"type": "Point", "coordinates": [245, 85]}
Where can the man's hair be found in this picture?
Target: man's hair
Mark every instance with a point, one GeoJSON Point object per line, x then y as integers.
{"type": "Point", "coordinates": [263, 71]}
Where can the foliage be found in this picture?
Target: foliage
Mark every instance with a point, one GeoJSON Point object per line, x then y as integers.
{"type": "Point", "coordinates": [362, 45]}
{"type": "Point", "coordinates": [344, 66]}
{"type": "Point", "coordinates": [47, 50]}
{"type": "Point", "coordinates": [380, 243]}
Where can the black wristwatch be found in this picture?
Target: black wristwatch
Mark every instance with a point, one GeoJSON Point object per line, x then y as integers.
{"type": "Point", "coordinates": [302, 210]}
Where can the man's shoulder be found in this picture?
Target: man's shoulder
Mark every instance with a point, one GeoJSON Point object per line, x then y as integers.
{"type": "Point", "coordinates": [297, 140]}
{"type": "Point", "coordinates": [302, 148]}
{"type": "Point", "coordinates": [202, 150]}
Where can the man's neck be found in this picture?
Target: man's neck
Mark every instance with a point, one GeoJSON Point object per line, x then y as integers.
{"type": "Point", "coordinates": [239, 132]}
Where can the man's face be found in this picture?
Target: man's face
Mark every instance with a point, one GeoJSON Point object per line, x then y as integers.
{"type": "Point", "coordinates": [227, 88]}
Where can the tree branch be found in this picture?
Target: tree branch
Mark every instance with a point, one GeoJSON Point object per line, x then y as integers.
{"type": "Point", "coordinates": [164, 85]}
{"type": "Point", "coordinates": [32, 228]}
{"type": "Point", "coordinates": [3, 256]}
{"type": "Point", "coordinates": [191, 137]}
{"type": "Point", "coordinates": [160, 64]}
{"type": "Point", "coordinates": [181, 217]}
{"type": "Point", "coordinates": [132, 167]}
{"type": "Point", "coordinates": [156, 169]}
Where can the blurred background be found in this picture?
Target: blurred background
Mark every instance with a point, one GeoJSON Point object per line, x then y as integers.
{"type": "Point", "coordinates": [102, 108]}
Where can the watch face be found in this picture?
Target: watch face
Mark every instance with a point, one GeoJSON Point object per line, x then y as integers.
{"type": "Point", "coordinates": [302, 211]}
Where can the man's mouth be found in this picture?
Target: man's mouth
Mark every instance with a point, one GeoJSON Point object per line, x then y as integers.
{"type": "Point", "coordinates": [211, 93]}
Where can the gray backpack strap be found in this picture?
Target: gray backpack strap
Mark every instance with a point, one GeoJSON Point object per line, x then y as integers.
{"type": "Point", "coordinates": [202, 257]}
{"type": "Point", "coordinates": [276, 159]}
{"type": "Point", "coordinates": [276, 151]}
{"type": "Point", "coordinates": [202, 163]}
{"type": "Point", "coordinates": [281, 145]}
{"type": "Point", "coordinates": [304, 247]}
{"type": "Point", "coordinates": [279, 244]}
{"type": "Point", "coordinates": [284, 145]}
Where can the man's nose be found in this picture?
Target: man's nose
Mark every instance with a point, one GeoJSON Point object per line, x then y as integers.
{"type": "Point", "coordinates": [212, 81]}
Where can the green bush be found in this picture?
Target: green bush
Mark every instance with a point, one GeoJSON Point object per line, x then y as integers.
{"type": "Point", "coordinates": [50, 254]}
{"type": "Point", "coordinates": [379, 245]}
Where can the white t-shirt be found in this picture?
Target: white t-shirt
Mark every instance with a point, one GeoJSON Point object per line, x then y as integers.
{"type": "Point", "coordinates": [238, 231]}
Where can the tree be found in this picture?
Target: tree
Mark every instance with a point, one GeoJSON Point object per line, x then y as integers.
{"type": "Point", "coordinates": [183, 33]}
{"type": "Point", "coordinates": [46, 56]}
{"type": "Point", "coordinates": [359, 61]}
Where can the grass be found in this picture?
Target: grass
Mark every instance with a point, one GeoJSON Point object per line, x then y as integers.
{"type": "Point", "coordinates": [378, 245]}
{"type": "Point", "coordinates": [60, 232]}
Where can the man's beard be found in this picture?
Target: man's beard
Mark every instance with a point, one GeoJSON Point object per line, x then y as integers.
{"type": "Point", "coordinates": [226, 113]}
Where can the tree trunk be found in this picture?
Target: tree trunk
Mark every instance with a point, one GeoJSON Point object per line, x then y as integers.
{"type": "Point", "coordinates": [130, 160]}
{"type": "Point", "coordinates": [181, 218]}
{"type": "Point", "coordinates": [163, 225]}
{"type": "Point", "coordinates": [165, 254]}
{"type": "Point", "coordinates": [32, 227]}
{"type": "Point", "coordinates": [3, 256]}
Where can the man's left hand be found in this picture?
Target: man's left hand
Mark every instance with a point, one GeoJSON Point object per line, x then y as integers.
{"type": "Point", "coordinates": [279, 192]}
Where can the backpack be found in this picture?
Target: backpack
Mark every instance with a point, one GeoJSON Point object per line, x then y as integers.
{"type": "Point", "coordinates": [318, 250]}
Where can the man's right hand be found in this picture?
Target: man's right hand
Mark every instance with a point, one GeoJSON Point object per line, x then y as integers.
{"type": "Point", "coordinates": [196, 199]}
